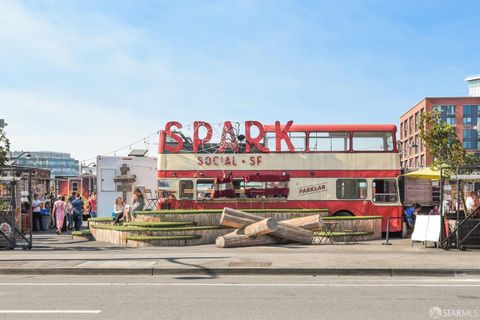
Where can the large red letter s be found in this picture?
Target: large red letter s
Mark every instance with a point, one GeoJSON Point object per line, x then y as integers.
{"type": "Point", "coordinates": [174, 136]}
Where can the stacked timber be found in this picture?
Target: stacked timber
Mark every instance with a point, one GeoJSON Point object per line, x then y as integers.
{"type": "Point", "coordinates": [253, 230]}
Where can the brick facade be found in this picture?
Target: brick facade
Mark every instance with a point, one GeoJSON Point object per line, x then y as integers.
{"type": "Point", "coordinates": [413, 151]}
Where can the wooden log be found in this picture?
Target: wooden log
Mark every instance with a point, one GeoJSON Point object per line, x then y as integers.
{"type": "Point", "coordinates": [240, 219]}
{"type": "Point", "coordinates": [313, 222]}
{"type": "Point", "coordinates": [262, 227]}
{"type": "Point", "coordinates": [237, 219]}
{"type": "Point", "coordinates": [238, 238]}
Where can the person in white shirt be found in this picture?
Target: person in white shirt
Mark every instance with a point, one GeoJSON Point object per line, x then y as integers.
{"type": "Point", "coordinates": [36, 211]}
{"type": "Point", "coordinates": [470, 202]}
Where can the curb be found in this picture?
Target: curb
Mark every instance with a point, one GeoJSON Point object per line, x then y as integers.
{"type": "Point", "coordinates": [389, 272]}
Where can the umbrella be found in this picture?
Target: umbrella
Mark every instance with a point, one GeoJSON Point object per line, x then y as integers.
{"type": "Point", "coordinates": [425, 173]}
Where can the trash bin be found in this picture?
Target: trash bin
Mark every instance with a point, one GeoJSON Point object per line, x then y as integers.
{"type": "Point", "coordinates": [45, 222]}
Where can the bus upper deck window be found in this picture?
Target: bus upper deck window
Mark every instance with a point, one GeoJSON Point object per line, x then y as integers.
{"type": "Point", "coordinates": [328, 141]}
{"type": "Point", "coordinates": [298, 139]}
{"type": "Point", "coordinates": [384, 190]}
{"type": "Point", "coordinates": [373, 141]}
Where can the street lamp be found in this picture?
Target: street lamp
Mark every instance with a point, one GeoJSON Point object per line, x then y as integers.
{"type": "Point", "coordinates": [83, 166]}
{"type": "Point", "coordinates": [25, 155]}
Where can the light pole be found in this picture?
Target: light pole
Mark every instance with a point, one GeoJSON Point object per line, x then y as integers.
{"type": "Point", "coordinates": [25, 155]}
{"type": "Point", "coordinates": [90, 173]}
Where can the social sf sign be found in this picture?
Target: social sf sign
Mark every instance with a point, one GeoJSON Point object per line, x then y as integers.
{"type": "Point", "coordinates": [228, 138]}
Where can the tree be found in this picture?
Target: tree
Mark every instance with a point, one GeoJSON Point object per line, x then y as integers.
{"type": "Point", "coordinates": [4, 147]}
{"type": "Point", "coordinates": [442, 143]}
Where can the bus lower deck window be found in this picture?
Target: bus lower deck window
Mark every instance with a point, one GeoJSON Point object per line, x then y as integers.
{"type": "Point", "coordinates": [186, 189]}
{"type": "Point", "coordinates": [384, 190]}
{"type": "Point", "coordinates": [352, 189]}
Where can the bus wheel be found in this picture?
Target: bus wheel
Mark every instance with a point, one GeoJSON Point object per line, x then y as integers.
{"type": "Point", "coordinates": [343, 213]}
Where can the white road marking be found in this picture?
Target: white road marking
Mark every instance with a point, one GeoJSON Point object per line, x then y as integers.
{"type": "Point", "coordinates": [428, 285]}
{"type": "Point", "coordinates": [51, 311]}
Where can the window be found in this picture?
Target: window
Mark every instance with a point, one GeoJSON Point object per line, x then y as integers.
{"type": "Point", "coordinates": [372, 141]}
{"type": "Point", "coordinates": [204, 189]}
{"type": "Point", "coordinates": [468, 144]}
{"type": "Point", "coordinates": [467, 121]}
{"type": "Point", "coordinates": [328, 141]}
{"type": "Point", "coordinates": [352, 189]}
{"type": "Point", "coordinates": [417, 120]}
{"type": "Point", "coordinates": [467, 134]}
{"type": "Point", "coordinates": [186, 189]}
{"type": "Point", "coordinates": [75, 186]}
{"type": "Point", "coordinates": [298, 140]}
{"type": "Point", "coordinates": [384, 190]}
{"type": "Point", "coordinates": [447, 113]}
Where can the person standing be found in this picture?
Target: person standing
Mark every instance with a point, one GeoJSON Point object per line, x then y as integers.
{"type": "Point", "coordinates": [37, 213]}
{"type": "Point", "coordinates": [59, 213]}
{"type": "Point", "coordinates": [77, 211]}
{"type": "Point", "coordinates": [470, 202]}
{"type": "Point", "coordinates": [69, 214]}
{"type": "Point", "coordinates": [92, 202]}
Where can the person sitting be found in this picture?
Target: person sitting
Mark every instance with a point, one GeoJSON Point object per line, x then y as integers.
{"type": "Point", "coordinates": [118, 209]}
{"type": "Point", "coordinates": [434, 211]}
{"type": "Point", "coordinates": [411, 214]}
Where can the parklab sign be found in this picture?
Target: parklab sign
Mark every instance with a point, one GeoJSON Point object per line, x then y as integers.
{"type": "Point", "coordinates": [229, 139]}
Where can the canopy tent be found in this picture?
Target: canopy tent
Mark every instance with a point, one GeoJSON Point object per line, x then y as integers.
{"type": "Point", "coordinates": [425, 173]}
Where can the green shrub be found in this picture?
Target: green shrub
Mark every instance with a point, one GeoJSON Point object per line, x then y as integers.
{"type": "Point", "coordinates": [102, 219]}
{"type": "Point", "coordinates": [81, 233]}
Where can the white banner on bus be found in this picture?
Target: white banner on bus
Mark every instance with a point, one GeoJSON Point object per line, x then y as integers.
{"type": "Point", "coordinates": [427, 228]}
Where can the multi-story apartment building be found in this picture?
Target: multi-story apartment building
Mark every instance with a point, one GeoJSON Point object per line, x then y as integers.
{"type": "Point", "coordinates": [462, 112]}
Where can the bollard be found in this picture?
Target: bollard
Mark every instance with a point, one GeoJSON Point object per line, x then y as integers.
{"type": "Point", "coordinates": [386, 243]}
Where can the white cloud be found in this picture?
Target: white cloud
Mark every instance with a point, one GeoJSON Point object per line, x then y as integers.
{"type": "Point", "coordinates": [38, 121]}
{"type": "Point", "coordinates": [28, 35]}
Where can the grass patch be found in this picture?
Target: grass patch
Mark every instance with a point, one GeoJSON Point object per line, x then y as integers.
{"type": "Point", "coordinates": [134, 228]}
{"type": "Point", "coordinates": [219, 211]}
{"type": "Point", "coordinates": [151, 238]}
{"type": "Point", "coordinates": [352, 218]}
{"type": "Point", "coordinates": [342, 234]}
{"type": "Point", "coordinates": [173, 224]}
{"type": "Point", "coordinates": [102, 219]}
{"type": "Point", "coordinates": [81, 233]}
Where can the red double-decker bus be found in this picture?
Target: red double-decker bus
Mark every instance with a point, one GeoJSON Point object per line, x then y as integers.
{"type": "Point", "coordinates": [347, 169]}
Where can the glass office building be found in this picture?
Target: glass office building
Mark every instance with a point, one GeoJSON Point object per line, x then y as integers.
{"type": "Point", "coordinates": [60, 164]}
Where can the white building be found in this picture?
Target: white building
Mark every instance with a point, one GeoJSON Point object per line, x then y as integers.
{"type": "Point", "coordinates": [473, 85]}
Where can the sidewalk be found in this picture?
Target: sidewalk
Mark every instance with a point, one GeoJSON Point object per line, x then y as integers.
{"type": "Point", "coordinates": [53, 254]}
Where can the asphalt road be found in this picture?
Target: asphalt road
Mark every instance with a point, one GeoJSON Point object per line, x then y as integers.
{"type": "Point", "coordinates": [238, 297]}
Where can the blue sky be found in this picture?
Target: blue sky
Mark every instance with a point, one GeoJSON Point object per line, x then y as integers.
{"type": "Point", "coordinates": [88, 77]}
